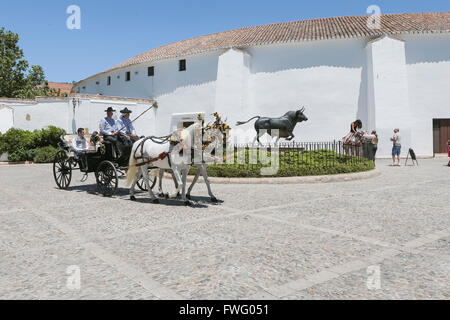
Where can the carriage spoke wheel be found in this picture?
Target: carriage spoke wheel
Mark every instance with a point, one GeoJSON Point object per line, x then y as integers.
{"type": "Point", "coordinates": [107, 180]}
{"type": "Point", "coordinates": [141, 183]}
{"type": "Point", "coordinates": [62, 170]}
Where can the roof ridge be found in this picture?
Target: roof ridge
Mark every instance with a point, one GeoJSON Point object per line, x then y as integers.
{"type": "Point", "coordinates": [293, 31]}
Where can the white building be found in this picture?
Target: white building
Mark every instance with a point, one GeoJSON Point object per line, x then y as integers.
{"type": "Point", "coordinates": [77, 111]}
{"type": "Point", "coordinates": [339, 68]}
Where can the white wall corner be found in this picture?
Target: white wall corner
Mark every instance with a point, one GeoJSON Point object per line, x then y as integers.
{"type": "Point", "coordinates": [388, 97]}
{"type": "Point", "coordinates": [232, 81]}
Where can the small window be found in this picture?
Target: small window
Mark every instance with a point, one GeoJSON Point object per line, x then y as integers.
{"type": "Point", "coordinates": [97, 82]}
{"type": "Point", "coordinates": [182, 65]}
{"type": "Point", "coordinates": [84, 88]}
{"type": "Point", "coordinates": [109, 81]}
{"type": "Point", "coordinates": [151, 71]}
{"type": "Point", "coordinates": [187, 124]}
{"type": "Point", "coordinates": [128, 76]}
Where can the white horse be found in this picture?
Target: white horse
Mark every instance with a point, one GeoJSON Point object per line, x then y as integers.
{"type": "Point", "coordinates": [146, 149]}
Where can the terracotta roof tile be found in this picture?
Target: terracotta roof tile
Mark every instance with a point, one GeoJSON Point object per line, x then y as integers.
{"type": "Point", "coordinates": [305, 30]}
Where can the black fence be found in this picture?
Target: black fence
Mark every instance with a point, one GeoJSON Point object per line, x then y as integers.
{"type": "Point", "coordinates": [301, 154]}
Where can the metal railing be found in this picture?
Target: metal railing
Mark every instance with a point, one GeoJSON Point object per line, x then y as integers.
{"type": "Point", "coordinates": [301, 154]}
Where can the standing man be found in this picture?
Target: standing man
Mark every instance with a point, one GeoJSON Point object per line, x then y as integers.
{"type": "Point", "coordinates": [397, 147]}
{"type": "Point", "coordinates": [109, 130]}
{"type": "Point", "coordinates": [126, 127]}
{"type": "Point", "coordinates": [80, 146]}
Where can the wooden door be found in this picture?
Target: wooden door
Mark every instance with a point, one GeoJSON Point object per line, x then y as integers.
{"type": "Point", "coordinates": [444, 136]}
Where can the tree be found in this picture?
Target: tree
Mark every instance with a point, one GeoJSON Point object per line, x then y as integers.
{"type": "Point", "coordinates": [17, 79]}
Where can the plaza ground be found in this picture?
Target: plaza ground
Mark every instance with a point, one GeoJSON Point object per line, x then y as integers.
{"type": "Point", "coordinates": [304, 241]}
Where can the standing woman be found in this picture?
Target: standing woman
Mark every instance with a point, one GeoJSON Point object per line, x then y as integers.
{"type": "Point", "coordinates": [374, 144]}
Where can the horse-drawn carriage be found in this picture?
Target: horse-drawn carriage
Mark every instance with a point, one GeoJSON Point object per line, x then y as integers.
{"type": "Point", "coordinates": [100, 159]}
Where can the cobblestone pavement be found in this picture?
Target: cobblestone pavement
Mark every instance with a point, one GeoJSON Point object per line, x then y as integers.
{"type": "Point", "coordinates": [382, 238]}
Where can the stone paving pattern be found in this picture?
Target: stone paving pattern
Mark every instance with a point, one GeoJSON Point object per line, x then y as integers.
{"type": "Point", "coordinates": [303, 241]}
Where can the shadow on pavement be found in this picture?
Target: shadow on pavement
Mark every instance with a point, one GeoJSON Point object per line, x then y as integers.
{"type": "Point", "coordinates": [123, 193]}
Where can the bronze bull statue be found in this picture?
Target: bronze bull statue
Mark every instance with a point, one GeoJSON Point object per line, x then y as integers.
{"type": "Point", "coordinates": [285, 124]}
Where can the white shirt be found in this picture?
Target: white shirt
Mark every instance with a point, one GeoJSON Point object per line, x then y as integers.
{"type": "Point", "coordinates": [80, 144]}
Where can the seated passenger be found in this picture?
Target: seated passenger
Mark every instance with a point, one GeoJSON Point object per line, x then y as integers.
{"type": "Point", "coordinates": [109, 130]}
{"type": "Point", "coordinates": [80, 146]}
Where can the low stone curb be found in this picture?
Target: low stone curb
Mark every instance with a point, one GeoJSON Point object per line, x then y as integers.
{"type": "Point", "coordinates": [16, 163]}
{"type": "Point", "coordinates": [291, 180]}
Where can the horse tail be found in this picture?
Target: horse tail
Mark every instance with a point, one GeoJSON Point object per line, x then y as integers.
{"type": "Point", "coordinates": [239, 123]}
{"type": "Point", "coordinates": [132, 168]}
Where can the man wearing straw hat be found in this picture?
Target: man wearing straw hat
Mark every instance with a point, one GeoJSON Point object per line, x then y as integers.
{"type": "Point", "coordinates": [110, 130]}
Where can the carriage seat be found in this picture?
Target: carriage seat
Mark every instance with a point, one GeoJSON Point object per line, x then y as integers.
{"type": "Point", "coordinates": [69, 137]}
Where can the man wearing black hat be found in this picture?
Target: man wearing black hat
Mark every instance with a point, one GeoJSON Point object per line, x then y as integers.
{"type": "Point", "coordinates": [126, 127]}
{"type": "Point", "coordinates": [109, 130]}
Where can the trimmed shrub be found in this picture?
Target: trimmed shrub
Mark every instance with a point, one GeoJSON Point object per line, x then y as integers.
{"type": "Point", "coordinates": [15, 140]}
{"type": "Point", "coordinates": [308, 163]}
{"type": "Point", "coordinates": [49, 136]}
{"type": "Point", "coordinates": [45, 154]}
{"type": "Point", "coordinates": [22, 155]}
{"type": "Point", "coordinates": [22, 145]}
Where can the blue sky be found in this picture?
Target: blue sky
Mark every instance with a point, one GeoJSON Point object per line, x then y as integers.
{"type": "Point", "coordinates": [113, 31]}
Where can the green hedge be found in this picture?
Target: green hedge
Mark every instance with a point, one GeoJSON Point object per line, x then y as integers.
{"type": "Point", "coordinates": [308, 163]}
{"type": "Point", "coordinates": [38, 146]}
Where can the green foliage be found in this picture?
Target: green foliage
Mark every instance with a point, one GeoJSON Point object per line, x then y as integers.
{"type": "Point", "coordinates": [15, 73]}
{"type": "Point", "coordinates": [22, 154]}
{"type": "Point", "coordinates": [14, 140]}
{"type": "Point", "coordinates": [308, 163]}
{"type": "Point", "coordinates": [23, 145]}
{"type": "Point", "coordinates": [49, 136]}
{"type": "Point", "coordinates": [17, 78]}
{"type": "Point", "coordinates": [45, 154]}
{"type": "Point", "coordinates": [31, 91]}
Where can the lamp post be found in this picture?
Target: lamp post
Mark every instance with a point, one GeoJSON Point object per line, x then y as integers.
{"type": "Point", "coordinates": [74, 103]}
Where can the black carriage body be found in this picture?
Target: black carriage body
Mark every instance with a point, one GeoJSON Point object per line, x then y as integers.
{"type": "Point", "coordinates": [102, 162]}
{"type": "Point", "coordinates": [105, 153]}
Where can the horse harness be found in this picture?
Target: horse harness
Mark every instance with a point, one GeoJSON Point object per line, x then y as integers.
{"type": "Point", "coordinates": [148, 160]}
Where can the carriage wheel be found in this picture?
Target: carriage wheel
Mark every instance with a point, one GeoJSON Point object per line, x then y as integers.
{"type": "Point", "coordinates": [107, 180]}
{"type": "Point", "coordinates": [62, 170]}
{"type": "Point", "coordinates": [141, 183]}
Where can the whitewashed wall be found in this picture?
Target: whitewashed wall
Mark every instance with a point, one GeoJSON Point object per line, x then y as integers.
{"type": "Point", "coordinates": [386, 83]}
{"type": "Point", "coordinates": [323, 76]}
{"type": "Point", "coordinates": [36, 115]}
{"type": "Point", "coordinates": [193, 90]}
{"type": "Point", "coordinates": [87, 114]}
{"type": "Point", "coordinates": [390, 93]}
{"type": "Point", "coordinates": [428, 67]}
{"type": "Point", "coordinates": [6, 118]}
